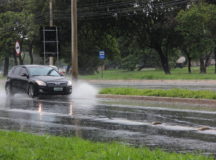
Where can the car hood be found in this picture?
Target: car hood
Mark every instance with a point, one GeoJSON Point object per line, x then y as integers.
{"type": "Point", "coordinates": [48, 78]}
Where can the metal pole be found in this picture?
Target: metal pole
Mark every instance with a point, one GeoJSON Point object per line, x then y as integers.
{"type": "Point", "coordinates": [102, 70]}
{"type": "Point", "coordinates": [51, 59]}
{"type": "Point", "coordinates": [74, 43]}
{"type": "Point", "coordinates": [51, 12]}
{"type": "Point", "coordinates": [57, 37]}
{"type": "Point", "coordinates": [44, 45]}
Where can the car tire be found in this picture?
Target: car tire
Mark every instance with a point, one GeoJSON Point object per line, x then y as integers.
{"type": "Point", "coordinates": [32, 91]}
{"type": "Point", "coordinates": [8, 90]}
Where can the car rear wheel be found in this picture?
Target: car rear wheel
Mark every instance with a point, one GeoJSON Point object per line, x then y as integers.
{"type": "Point", "coordinates": [32, 91]}
{"type": "Point", "coordinates": [8, 90]}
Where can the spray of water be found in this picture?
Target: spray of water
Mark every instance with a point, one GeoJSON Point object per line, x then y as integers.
{"type": "Point", "coordinates": [83, 90]}
{"type": "Point", "coordinates": [3, 96]}
{"type": "Point", "coordinates": [84, 95]}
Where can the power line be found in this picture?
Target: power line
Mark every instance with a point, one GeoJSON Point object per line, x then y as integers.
{"type": "Point", "coordinates": [103, 4]}
{"type": "Point", "coordinates": [113, 10]}
{"type": "Point", "coordinates": [131, 4]}
{"type": "Point", "coordinates": [168, 5]}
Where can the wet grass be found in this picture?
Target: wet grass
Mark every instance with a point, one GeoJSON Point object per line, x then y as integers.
{"type": "Point", "coordinates": [22, 146]}
{"type": "Point", "coordinates": [177, 74]}
{"type": "Point", "coordinates": [181, 93]}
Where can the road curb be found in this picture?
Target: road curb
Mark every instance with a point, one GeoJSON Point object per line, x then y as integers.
{"type": "Point", "coordinates": [163, 99]}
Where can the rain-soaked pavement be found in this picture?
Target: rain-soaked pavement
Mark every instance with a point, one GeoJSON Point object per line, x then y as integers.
{"type": "Point", "coordinates": [157, 84]}
{"type": "Point", "coordinates": [171, 126]}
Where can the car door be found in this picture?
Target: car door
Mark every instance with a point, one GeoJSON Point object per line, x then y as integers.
{"type": "Point", "coordinates": [23, 79]}
{"type": "Point", "coordinates": [14, 79]}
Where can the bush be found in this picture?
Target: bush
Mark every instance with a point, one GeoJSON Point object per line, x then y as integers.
{"type": "Point", "coordinates": [129, 63]}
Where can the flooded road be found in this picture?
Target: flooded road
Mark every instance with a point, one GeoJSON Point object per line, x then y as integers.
{"type": "Point", "coordinates": [171, 126]}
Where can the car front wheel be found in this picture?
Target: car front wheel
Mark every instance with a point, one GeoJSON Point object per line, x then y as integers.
{"type": "Point", "coordinates": [32, 91]}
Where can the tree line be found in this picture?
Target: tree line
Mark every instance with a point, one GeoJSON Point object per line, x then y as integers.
{"type": "Point", "coordinates": [133, 33]}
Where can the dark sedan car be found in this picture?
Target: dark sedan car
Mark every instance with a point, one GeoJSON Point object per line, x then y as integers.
{"type": "Point", "coordinates": [37, 80]}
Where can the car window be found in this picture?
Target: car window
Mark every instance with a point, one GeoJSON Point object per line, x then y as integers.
{"type": "Point", "coordinates": [16, 71]}
{"type": "Point", "coordinates": [11, 72]}
{"type": "Point", "coordinates": [22, 71]}
{"type": "Point", "coordinates": [53, 73]}
{"type": "Point", "coordinates": [43, 71]}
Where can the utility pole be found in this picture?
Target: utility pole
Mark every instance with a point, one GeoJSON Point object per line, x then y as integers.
{"type": "Point", "coordinates": [51, 59]}
{"type": "Point", "coordinates": [74, 40]}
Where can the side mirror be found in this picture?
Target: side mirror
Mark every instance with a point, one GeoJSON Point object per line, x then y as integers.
{"type": "Point", "coordinates": [25, 75]}
{"type": "Point", "coordinates": [62, 73]}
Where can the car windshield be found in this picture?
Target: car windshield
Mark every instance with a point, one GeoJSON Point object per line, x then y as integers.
{"type": "Point", "coordinates": [43, 71]}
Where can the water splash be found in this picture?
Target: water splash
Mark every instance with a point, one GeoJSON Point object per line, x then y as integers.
{"type": "Point", "coordinates": [3, 95]}
{"type": "Point", "coordinates": [83, 90]}
{"type": "Point", "coordinates": [84, 95]}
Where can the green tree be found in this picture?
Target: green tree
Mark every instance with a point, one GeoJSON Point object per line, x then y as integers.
{"type": "Point", "coordinates": [152, 24]}
{"type": "Point", "coordinates": [16, 23]}
{"type": "Point", "coordinates": [9, 33]}
{"type": "Point", "coordinates": [211, 25]}
{"type": "Point", "coordinates": [193, 24]}
{"type": "Point", "coordinates": [91, 40]}
{"type": "Point", "coordinates": [134, 56]}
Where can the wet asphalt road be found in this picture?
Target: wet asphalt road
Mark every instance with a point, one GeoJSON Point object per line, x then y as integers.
{"type": "Point", "coordinates": [126, 121]}
{"type": "Point", "coordinates": [156, 84]}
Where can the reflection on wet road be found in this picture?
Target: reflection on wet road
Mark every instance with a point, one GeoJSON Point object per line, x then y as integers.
{"type": "Point", "coordinates": [170, 126]}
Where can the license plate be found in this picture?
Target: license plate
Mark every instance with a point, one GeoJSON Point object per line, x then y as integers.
{"type": "Point", "coordinates": [58, 89]}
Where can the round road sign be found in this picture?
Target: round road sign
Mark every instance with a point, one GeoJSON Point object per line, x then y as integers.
{"type": "Point", "coordinates": [17, 48]}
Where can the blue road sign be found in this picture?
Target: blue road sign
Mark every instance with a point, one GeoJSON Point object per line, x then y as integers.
{"type": "Point", "coordinates": [101, 54]}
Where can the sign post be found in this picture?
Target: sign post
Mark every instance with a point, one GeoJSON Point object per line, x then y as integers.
{"type": "Point", "coordinates": [102, 57]}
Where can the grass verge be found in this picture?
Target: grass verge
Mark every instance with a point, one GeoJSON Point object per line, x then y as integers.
{"type": "Point", "coordinates": [177, 74]}
{"type": "Point", "coordinates": [22, 146]}
{"type": "Point", "coordinates": [181, 93]}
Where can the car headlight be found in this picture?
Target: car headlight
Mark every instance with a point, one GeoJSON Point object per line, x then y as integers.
{"type": "Point", "coordinates": [69, 83]}
{"type": "Point", "coordinates": [40, 83]}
